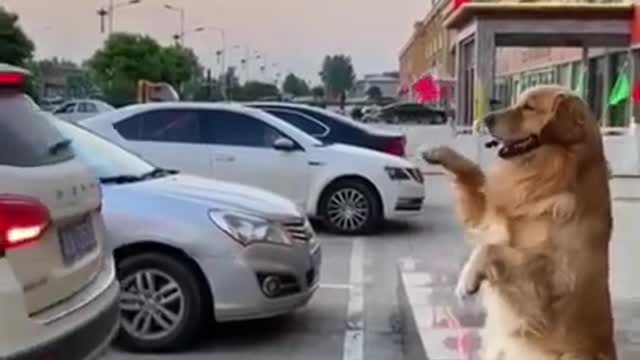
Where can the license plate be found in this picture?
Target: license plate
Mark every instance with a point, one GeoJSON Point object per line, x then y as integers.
{"type": "Point", "coordinates": [76, 241]}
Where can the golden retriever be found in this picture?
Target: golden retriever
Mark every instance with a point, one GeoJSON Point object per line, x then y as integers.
{"type": "Point", "coordinates": [542, 222]}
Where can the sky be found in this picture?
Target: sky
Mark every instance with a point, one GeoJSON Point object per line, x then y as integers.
{"type": "Point", "coordinates": [294, 34]}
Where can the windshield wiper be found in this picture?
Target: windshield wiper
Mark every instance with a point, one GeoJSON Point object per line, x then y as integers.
{"type": "Point", "coordinates": [159, 172]}
{"type": "Point", "coordinates": [127, 178]}
{"type": "Point", "coordinates": [120, 179]}
{"type": "Point", "coordinates": [59, 146]}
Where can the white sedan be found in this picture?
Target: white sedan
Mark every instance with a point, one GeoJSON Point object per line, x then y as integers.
{"type": "Point", "coordinates": [351, 189]}
{"type": "Point", "coordinates": [76, 110]}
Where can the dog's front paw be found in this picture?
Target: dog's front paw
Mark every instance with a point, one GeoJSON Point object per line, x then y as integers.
{"type": "Point", "coordinates": [468, 281]}
{"type": "Point", "coordinates": [440, 155]}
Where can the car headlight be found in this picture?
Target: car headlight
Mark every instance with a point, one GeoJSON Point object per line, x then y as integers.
{"type": "Point", "coordinates": [247, 229]}
{"type": "Point", "coordinates": [397, 173]}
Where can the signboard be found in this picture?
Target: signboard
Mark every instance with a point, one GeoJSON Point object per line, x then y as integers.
{"type": "Point", "coordinates": [635, 26]}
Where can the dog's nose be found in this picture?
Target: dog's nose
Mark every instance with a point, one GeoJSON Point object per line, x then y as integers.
{"type": "Point", "coordinates": [490, 121]}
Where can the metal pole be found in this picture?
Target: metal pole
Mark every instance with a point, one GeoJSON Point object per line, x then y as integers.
{"type": "Point", "coordinates": [182, 25]}
{"type": "Point", "coordinates": [111, 9]}
{"type": "Point", "coordinates": [225, 94]}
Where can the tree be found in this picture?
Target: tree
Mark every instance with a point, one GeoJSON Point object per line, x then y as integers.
{"type": "Point", "coordinates": [318, 92]}
{"type": "Point", "coordinates": [337, 75]}
{"type": "Point", "coordinates": [126, 58]}
{"type": "Point", "coordinates": [295, 86]}
{"type": "Point", "coordinates": [256, 90]}
{"type": "Point", "coordinates": [15, 46]}
{"type": "Point", "coordinates": [374, 93]}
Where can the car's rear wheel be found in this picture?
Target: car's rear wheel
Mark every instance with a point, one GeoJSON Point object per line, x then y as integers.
{"type": "Point", "coordinates": [162, 306]}
{"type": "Point", "coordinates": [351, 207]}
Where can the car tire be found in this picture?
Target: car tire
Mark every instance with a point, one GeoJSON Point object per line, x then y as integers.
{"type": "Point", "coordinates": [190, 307]}
{"type": "Point", "coordinates": [362, 196]}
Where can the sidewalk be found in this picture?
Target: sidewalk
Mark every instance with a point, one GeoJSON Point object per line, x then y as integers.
{"type": "Point", "coordinates": [436, 327]}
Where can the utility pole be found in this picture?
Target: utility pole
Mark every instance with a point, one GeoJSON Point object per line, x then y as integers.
{"type": "Point", "coordinates": [111, 7]}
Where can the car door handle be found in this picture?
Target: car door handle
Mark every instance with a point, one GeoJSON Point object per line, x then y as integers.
{"type": "Point", "coordinates": [225, 158]}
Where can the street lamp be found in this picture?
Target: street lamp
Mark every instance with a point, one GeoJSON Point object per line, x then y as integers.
{"type": "Point", "coordinates": [181, 12]}
{"type": "Point", "coordinates": [109, 11]}
{"type": "Point", "coordinates": [219, 53]}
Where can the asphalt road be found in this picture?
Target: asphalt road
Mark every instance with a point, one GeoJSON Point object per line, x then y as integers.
{"type": "Point", "coordinates": [353, 316]}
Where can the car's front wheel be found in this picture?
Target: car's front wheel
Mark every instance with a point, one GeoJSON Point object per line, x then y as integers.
{"type": "Point", "coordinates": [162, 306]}
{"type": "Point", "coordinates": [351, 207]}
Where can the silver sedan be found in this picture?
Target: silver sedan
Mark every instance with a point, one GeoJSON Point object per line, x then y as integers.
{"type": "Point", "coordinates": [189, 248]}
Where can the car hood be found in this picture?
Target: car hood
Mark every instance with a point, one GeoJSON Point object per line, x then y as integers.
{"type": "Point", "coordinates": [356, 155]}
{"type": "Point", "coordinates": [217, 194]}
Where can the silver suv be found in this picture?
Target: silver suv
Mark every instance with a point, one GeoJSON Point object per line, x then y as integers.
{"type": "Point", "coordinates": [58, 292]}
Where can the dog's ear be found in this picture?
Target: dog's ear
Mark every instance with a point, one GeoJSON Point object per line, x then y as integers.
{"type": "Point", "coordinates": [567, 125]}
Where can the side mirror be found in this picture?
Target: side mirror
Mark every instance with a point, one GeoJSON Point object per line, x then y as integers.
{"type": "Point", "coordinates": [284, 144]}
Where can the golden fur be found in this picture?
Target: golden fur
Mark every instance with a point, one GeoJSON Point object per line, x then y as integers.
{"type": "Point", "coordinates": [542, 222]}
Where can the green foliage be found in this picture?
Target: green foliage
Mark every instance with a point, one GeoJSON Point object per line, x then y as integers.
{"type": "Point", "coordinates": [295, 86]}
{"type": "Point", "coordinates": [318, 92]}
{"type": "Point", "coordinates": [126, 58]}
{"type": "Point", "coordinates": [337, 74]}
{"type": "Point", "coordinates": [15, 46]}
{"type": "Point", "coordinates": [256, 90]}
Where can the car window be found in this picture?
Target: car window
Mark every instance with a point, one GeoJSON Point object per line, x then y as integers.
{"type": "Point", "coordinates": [26, 135]}
{"type": "Point", "coordinates": [85, 107]}
{"type": "Point", "coordinates": [231, 128]}
{"type": "Point", "coordinates": [162, 125]}
{"type": "Point", "coordinates": [301, 121]}
{"type": "Point", "coordinates": [66, 109]}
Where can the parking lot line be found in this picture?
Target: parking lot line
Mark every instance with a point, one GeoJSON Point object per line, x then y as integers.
{"type": "Point", "coordinates": [354, 336]}
{"type": "Point", "coordinates": [336, 286]}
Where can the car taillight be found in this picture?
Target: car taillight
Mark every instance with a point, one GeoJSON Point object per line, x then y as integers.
{"type": "Point", "coordinates": [395, 147]}
{"type": "Point", "coordinates": [23, 220]}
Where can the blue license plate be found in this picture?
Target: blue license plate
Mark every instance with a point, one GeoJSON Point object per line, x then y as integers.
{"type": "Point", "coordinates": [76, 241]}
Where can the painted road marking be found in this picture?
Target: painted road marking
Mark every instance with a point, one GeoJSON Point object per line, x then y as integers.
{"type": "Point", "coordinates": [336, 286]}
{"type": "Point", "coordinates": [354, 336]}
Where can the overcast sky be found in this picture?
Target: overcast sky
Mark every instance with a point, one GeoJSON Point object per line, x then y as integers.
{"type": "Point", "coordinates": [294, 33]}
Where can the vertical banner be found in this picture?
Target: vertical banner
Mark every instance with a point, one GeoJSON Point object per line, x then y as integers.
{"type": "Point", "coordinates": [635, 26]}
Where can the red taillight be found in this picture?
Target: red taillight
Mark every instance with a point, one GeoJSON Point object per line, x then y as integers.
{"type": "Point", "coordinates": [395, 147]}
{"type": "Point", "coordinates": [12, 79]}
{"type": "Point", "coordinates": [22, 221]}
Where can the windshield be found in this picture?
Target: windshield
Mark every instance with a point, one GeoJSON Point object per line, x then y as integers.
{"type": "Point", "coordinates": [106, 159]}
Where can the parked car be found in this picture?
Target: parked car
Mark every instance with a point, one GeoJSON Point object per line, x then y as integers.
{"type": "Point", "coordinates": [408, 112]}
{"type": "Point", "coordinates": [188, 249]}
{"type": "Point", "coordinates": [351, 188]}
{"type": "Point", "coordinates": [58, 289]}
{"type": "Point", "coordinates": [77, 110]}
{"type": "Point", "coordinates": [329, 126]}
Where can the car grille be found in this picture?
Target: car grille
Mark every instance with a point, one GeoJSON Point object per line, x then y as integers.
{"type": "Point", "coordinates": [298, 229]}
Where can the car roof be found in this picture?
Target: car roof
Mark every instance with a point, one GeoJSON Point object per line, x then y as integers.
{"type": "Point", "coordinates": [279, 104]}
{"type": "Point", "coordinates": [6, 68]}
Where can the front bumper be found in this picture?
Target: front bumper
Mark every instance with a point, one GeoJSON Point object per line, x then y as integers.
{"type": "Point", "coordinates": [404, 199]}
{"type": "Point", "coordinates": [236, 287]}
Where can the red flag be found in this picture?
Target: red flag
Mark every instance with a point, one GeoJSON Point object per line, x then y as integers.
{"type": "Point", "coordinates": [458, 3]}
{"type": "Point", "coordinates": [636, 93]}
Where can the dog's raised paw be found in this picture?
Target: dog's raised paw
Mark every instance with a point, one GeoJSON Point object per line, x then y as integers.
{"type": "Point", "coordinates": [439, 155]}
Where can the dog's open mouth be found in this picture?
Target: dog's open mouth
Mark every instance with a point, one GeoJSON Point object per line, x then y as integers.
{"type": "Point", "coordinates": [512, 148]}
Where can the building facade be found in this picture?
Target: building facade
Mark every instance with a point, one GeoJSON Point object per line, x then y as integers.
{"type": "Point", "coordinates": [429, 50]}
{"type": "Point", "coordinates": [388, 84]}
